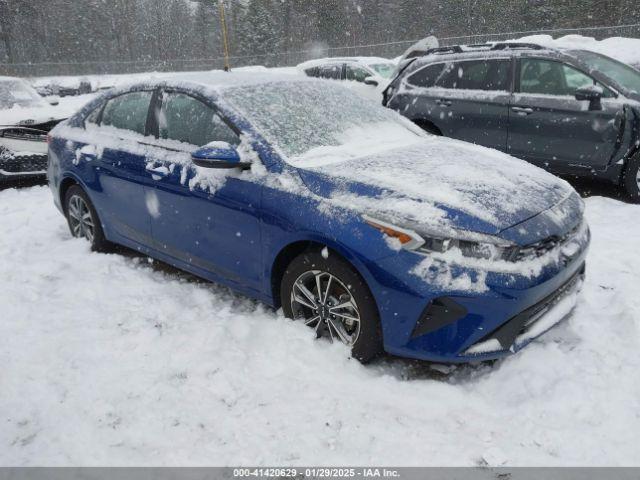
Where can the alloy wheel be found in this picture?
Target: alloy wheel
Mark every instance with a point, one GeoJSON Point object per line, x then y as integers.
{"type": "Point", "coordinates": [325, 304]}
{"type": "Point", "coordinates": [80, 218]}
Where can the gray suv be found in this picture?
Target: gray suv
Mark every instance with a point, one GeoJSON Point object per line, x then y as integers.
{"type": "Point", "coordinates": [569, 111]}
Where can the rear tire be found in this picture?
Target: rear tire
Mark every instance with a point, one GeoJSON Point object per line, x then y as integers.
{"type": "Point", "coordinates": [631, 178]}
{"type": "Point", "coordinates": [83, 219]}
{"type": "Point", "coordinates": [328, 294]}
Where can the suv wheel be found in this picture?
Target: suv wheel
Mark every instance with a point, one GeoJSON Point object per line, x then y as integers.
{"type": "Point", "coordinates": [631, 178]}
{"type": "Point", "coordinates": [83, 220]}
{"type": "Point", "coordinates": [328, 295]}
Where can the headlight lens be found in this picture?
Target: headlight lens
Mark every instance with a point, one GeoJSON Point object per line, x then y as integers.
{"type": "Point", "coordinates": [470, 244]}
{"type": "Point", "coordinates": [471, 249]}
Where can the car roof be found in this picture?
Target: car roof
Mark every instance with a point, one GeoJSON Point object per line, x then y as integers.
{"type": "Point", "coordinates": [486, 50]}
{"type": "Point", "coordinates": [361, 60]}
{"type": "Point", "coordinates": [214, 81]}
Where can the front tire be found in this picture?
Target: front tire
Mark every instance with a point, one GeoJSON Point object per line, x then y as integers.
{"type": "Point", "coordinates": [327, 294]}
{"type": "Point", "coordinates": [83, 219]}
{"type": "Point", "coordinates": [631, 178]}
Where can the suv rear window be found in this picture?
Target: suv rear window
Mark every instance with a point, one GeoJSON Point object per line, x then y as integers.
{"type": "Point", "coordinates": [477, 75]}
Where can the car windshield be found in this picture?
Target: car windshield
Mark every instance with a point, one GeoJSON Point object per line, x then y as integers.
{"type": "Point", "coordinates": [17, 93]}
{"type": "Point", "coordinates": [624, 75]}
{"type": "Point", "coordinates": [383, 69]}
{"type": "Point", "coordinates": [308, 119]}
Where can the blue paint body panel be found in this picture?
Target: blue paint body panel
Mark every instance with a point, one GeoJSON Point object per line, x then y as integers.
{"type": "Point", "coordinates": [234, 235]}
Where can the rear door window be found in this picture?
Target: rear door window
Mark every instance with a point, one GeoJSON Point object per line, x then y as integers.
{"type": "Point", "coordinates": [489, 75]}
{"type": "Point", "coordinates": [188, 120]}
{"type": "Point", "coordinates": [426, 77]}
{"type": "Point", "coordinates": [333, 72]}
{"type": "Point", "coordinates": [128, 112]}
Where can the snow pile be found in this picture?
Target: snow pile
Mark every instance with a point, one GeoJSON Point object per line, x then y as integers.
{"type": "Point", "coordinates": [624, 49]}
{"type": "Point", "coordinates": [114, 360]}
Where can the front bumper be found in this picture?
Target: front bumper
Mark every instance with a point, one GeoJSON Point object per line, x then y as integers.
{"type": "Point", "coordinates": [441, 323]}
{"type": "Point", "coordinates": [14, 166]}
{"type": "Point", "coordinates": [529, 324]}
{"type": "Point", "coordinates": [23, 153]}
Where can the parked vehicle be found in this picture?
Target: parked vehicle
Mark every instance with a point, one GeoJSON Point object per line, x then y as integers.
{"type": "Point", "coordinates": [25, 119]}
{"type": "Point", "coordinates": [306, 196]}
{"type": "Point", "coordinates": [372, 71]}
{"type": "Point", "coordinates": [62, 86]}
{"type": "Point", "coordinates": [568, 111]}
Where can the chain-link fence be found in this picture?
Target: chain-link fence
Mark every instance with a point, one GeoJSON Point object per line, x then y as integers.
{"type": "Point", "coordinates": [386, 50]}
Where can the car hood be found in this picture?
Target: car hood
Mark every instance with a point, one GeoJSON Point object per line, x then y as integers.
{"type": "Point", "coordinates": [28, 116]}
{"type": "Point", "coordinates": [441, 184]}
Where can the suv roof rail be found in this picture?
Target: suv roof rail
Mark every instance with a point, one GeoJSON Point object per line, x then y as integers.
{"type": "Point", "coordinates": [451, 49]}
{"type": "Point", "coordinates": [478, 46]}
{"type": "Point", "coordinates": [505, 45]}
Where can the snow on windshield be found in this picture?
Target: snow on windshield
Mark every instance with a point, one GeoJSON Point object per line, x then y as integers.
{"type": "Point", "coordinates": [302, 118]}
{"type": "Point", "coordinates": [17, 93]}
{"type": "Point", "coordinates": [358, 142]}
{"type": "Point", "coordinates": [383, 69]}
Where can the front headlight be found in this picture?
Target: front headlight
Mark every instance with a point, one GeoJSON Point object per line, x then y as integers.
{"type": "Point", "coordinates": [469, 244]}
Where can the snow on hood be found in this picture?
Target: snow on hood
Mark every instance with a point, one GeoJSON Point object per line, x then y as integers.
{"type": "Point", "coordinates": [26, 116]}
{"type": "Point", "coordinates": [437, 182]}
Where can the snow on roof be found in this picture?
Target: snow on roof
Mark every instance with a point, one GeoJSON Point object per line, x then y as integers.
{"type": "Point", "coordinates": [362, 60]}
{"type": "Point", "coordinates": [217, 79]}
{"type": "Point", "coordinates": [624, 49]}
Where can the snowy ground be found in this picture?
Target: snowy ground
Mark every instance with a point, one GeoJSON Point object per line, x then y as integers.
{"type": "Point", "coordinates": [113, 360]}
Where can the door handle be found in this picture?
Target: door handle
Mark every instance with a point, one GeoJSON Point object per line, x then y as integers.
{"type": "Point", "coordinates": [522, 110]}
{"type": "Point", "coordinates": [443, 102]}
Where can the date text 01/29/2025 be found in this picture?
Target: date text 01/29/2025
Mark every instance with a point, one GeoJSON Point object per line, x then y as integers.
{"type": "Point", "coordinates": [321, 472]}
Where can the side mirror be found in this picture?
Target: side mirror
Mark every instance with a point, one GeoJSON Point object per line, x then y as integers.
{"type": "Point", "coordinates": [370, 81]}
{"type": "Point", "coordinates": [53, 100]}
{"type": "Point", "coordinates": [218, 155]}
{"type": "Point", "coordinates": [592, 94]}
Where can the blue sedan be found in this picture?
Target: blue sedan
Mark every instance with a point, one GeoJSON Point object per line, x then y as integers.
{"type": "Point", "coordinates": [305, 196]}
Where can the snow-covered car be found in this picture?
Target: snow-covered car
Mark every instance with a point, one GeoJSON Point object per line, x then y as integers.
{"type": "Point", "coordinates": [372, 71]}
{"type": "Point", "coordinates": [62, 86]}
{"type": "Point", "coordinates": [306, 196]}
{"type": "Point", "coordinates": [25, 120]}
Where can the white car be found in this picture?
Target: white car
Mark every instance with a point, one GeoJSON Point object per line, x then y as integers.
{"type": "Point", "coordinates": [372, 71]}
{"type": "Point", "coordinates": [25, 120]}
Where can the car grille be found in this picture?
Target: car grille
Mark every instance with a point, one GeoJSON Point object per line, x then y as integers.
{"type": "Point", "coordinates": [24, 164]}
{"type": "Point", "coordinates": [543, 247]}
